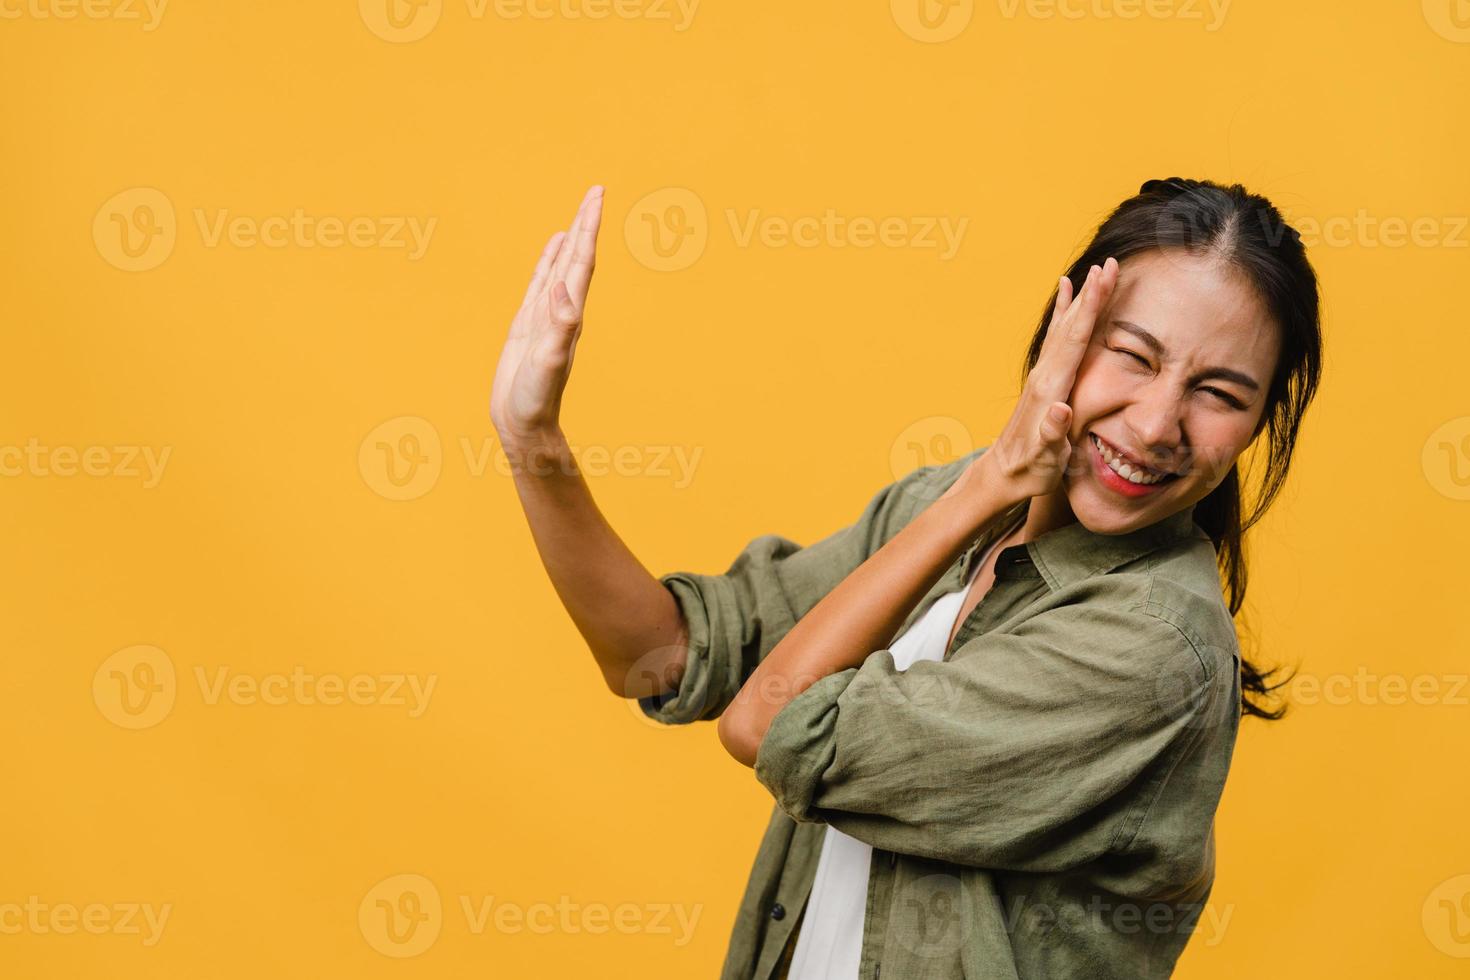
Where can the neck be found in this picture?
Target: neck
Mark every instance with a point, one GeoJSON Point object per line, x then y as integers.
{"type": "Point", "coordinates": [1045, 513]}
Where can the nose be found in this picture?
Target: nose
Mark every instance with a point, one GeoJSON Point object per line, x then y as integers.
{"type": "Point", "coordinates": [1155, 418]}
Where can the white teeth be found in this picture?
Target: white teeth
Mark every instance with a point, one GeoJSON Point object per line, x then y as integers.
{"type": "Point", "coordinates": [1123, 469]}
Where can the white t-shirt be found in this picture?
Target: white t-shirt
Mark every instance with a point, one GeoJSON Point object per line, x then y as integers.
{"type": "Point", "coordinates": [829, 945]}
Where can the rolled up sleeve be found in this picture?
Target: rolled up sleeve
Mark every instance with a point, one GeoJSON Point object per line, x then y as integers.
{"type": "Point", "coordinates": [1036, 749]}
{"type": "Point", "coordinates": [734, 620]}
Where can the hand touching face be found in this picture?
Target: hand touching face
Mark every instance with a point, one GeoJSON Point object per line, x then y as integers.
{"type": "Point", "coordinates": [1033, 451]}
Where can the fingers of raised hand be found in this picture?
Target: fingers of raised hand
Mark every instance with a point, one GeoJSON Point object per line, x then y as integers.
{"type": "Point", "coordinates": [1063, 312]}
{"type": "Point", "coordinates": [1070, 331]}
{"type": "Point", "coordinates": [1067, 336]}
{"type": "Point", "coordinates": [543, 267]}
{"type": "Point", "coordinates": [1094, 294]}
{"type": "Point", "coordinates": [564, 258]}
{"type": "Point", "coordinates": [584, 248]}
{"type": "Point", "coordinates": [1064, 299]}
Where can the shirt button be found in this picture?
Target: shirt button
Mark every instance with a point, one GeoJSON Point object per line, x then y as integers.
{"type": "Point", "coordinates": [778, 911]}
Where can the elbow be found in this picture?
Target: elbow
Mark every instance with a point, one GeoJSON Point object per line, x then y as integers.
{"type": "Point", "coordinates": [657, 674]}
{"type": "Point", "coordinates": [617, 682]}
{"type": "Point", "coordinates": [739, 736]}
{"type": "Point", "coordinates": [615, 673]}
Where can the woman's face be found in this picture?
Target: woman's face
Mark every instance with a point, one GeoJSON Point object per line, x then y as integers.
{"type": "Point", "coordinates": [1175, 377]}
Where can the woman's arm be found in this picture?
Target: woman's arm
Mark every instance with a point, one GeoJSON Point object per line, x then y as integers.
{"type": "Point", "coordinates": [865, 610]}
{"type": "Point", "coordinates": [862, 613]}
{"type": "Point", "coordinates": [626, 616]}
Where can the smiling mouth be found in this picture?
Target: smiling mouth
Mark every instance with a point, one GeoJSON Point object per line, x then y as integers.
{"type": "Point", "coordinates": [1127, 470]}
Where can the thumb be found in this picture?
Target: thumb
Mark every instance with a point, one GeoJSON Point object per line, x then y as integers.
{"type": "Point", "coordinates": [563, 311]}
{"type": "Point", "coordinates": [1054, 424]}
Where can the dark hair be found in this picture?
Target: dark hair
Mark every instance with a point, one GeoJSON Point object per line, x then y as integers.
{"type": "Point", "coordinates": [1247, 231]}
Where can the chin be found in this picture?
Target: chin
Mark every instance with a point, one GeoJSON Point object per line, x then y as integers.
{"type": "Point", "coordinates": [1102, 520]}
{"type": "Point", "coordinates": [1115, 517]}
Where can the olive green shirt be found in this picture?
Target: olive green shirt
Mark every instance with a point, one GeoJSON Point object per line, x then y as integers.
{"type": "Point", "coordinates": [1040, 802]}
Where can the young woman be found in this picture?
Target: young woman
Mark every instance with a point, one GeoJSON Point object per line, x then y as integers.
{"type": "Point", "coordinates": [997, 711]}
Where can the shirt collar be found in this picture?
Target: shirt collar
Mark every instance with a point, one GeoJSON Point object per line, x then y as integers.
{"type": "Point", "coordinates": [1071, 553]}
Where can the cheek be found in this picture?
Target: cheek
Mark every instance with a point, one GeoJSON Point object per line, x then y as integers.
{"type": "Point", "coordinates": [1218, 440]}
{"type": "Point", "coordinates": [1101, 385]}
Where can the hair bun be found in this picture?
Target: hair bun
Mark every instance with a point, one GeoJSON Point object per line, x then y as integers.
{"type": "Point", "coordinates": [1168, 183]}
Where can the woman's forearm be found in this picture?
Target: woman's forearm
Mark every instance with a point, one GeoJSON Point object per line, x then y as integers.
{"type": "Point", "coordinates": [629, 620]}
{"type": "Point", "coordinates": [864, 611]}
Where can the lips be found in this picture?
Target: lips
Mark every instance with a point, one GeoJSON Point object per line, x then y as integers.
{"type": "Point", "coordinates": [1133, 461]}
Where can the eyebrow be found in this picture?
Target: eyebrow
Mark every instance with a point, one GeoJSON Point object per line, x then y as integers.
{"type": "Point", "coordinates": [1229, 374]}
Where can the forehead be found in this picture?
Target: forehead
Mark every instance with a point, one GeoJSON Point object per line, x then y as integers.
{"type": "Point", "coordinates": [1198, 306]}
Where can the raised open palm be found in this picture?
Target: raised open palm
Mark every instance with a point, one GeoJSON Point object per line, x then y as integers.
{"type": "Point", "coordinates": [525, 398]}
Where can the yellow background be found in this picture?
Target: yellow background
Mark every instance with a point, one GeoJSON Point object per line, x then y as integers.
{"type": "Point", "coordinates": [801, 375]}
